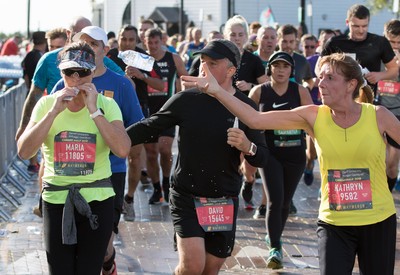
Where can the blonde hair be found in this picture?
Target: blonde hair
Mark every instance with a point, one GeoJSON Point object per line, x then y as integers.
{"type": "Point", "coordinates": [233, 21]}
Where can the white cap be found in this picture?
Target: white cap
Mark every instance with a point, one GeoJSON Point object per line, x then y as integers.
{"type": "Point", "coordinates": [94, 32]}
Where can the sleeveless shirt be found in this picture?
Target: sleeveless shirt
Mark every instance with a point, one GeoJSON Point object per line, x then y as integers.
{"type": "Point", "coordinates": [353, 172]}
{"type": "Point", "coordinates": [282, 140]}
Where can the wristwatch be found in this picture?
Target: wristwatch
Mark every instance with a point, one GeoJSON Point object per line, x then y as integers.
{"type": "Point", "coordinates": [252, 150]}
{"type": "Point", "coordinates": [145, 76]}
{"type": "Point", "coordinates": [99, 112]}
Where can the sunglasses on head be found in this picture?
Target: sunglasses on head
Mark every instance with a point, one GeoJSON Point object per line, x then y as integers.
{"type": "Point", "coordinates": [80, 72]}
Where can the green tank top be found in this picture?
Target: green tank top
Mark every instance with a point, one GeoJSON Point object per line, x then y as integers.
{"type": "Point", "coordinates": [354, 189]}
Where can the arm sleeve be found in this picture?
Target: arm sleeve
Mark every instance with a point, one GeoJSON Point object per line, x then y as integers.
{"type": "Point", "coordinates": [387, 51]}
{"type": "Point", "coordinates": [131, 110]}
{"type": "Point", "coordinates": [145, 130]}
{"type": "Point", "coordinates": [113, 66]}
{"type": "Point", "coordinates": [40, 76]}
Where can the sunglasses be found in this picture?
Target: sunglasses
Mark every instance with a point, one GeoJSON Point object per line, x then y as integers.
{"type": "Point", "coordinates": [81, 72]}
{"type": "Point", "coordinates": [309, 47]}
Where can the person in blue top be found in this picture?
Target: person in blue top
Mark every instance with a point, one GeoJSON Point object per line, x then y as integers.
{"type": "Point", "coordinates": [112, 85]}
{"type": "Point", "coordinates": [192, 47]}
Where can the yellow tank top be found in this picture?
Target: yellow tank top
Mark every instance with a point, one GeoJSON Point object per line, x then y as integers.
{"type": "Point", "coordinates": [354, 189]}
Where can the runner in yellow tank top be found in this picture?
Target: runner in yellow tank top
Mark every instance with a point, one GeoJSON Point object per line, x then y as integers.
{"type": "Point", "coordinates": [357, 213]}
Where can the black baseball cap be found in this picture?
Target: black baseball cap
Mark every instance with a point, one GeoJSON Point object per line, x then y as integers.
{"type": "Point", "coordinates": [281, 56]}
{"type": "Point", "coordinates": [221, 48]}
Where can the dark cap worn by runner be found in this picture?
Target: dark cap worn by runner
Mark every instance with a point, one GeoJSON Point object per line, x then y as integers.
{"type": "Point", "coordinates": [221, 48]}
{"type": "Point", "coordinates": [281, 56]}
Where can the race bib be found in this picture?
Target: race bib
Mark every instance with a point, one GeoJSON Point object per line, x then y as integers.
{"type": "Point", "coordinates": [287, 138]}
{"type": "Point", "coordinates": [153, 92]}
{"type": "Point", "coordinates": [349, 189]}
{"type": "Point", "coordinates": [388, 88]}
{"type": "Point", "coordinates": [214, 214]}
{"type": "Point", "coordinates": [389, 96]}
{"type": "Point", "coordinates": [74, 153]}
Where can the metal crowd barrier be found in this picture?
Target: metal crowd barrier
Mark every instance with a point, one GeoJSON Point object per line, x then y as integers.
{"type": "Point", "coordinates": [11, 173]}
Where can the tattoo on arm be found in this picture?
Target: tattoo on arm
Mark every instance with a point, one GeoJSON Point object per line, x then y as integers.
{"type": "Point", "coordinates": [33, 97]}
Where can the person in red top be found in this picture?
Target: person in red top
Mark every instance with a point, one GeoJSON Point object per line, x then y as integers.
{"type": "Point", "coordinates": [10, 47]}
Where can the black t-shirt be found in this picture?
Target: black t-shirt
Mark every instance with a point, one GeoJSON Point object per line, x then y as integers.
{"type": "Point", "coordinates": [302, 70]}
{"type": "Point", "coordinates": [29, 63]}
{"type": "Point", "coordinates": [369, 52]}
{"type": "Point", "coordinates": [249, 70]}
{"type": "Point", "coordinates": [206, 164]}
{"type": "Point", "coordinates": [194, 68]}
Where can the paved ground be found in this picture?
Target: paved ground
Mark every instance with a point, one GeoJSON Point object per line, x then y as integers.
{"type": "Point", "coordinates": [145, 245]}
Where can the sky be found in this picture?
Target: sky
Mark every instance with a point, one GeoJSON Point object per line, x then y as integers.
{"type": "Point", "coordinates": [45, 14]}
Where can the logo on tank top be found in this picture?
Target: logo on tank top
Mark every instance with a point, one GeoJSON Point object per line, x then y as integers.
{"type": "Point", "coordinates": [278, 105]}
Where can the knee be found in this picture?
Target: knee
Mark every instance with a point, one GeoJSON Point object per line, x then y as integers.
{"type": "Point", "coordinates": [165, 151]}
{"type": "Point", "coordinates": [152, 156]}
{"type": "Point", "coordinates": [190, 267]}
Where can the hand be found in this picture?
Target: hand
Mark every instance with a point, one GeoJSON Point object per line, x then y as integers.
{"type": "Point", "coordinates": [89, 96]}
{"type": "Point", "coordinates": [243, 85]}
{"type": "Point", "coordinates": [237, 138]}
{"type": "Point", "coordinates": [205, 82]}
{"type": "Point", "coordinates": [63, 98]}
{"type": "Point", "coordinates": [133, 72]}
{"type": "Point", "coordinates": [373, 77]}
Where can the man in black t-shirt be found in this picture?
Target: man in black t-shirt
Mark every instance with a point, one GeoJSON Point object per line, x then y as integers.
{"type": "Point", "coordinates": [32, 58]}
{"type": "Point", "coordinates": [206, 177]}
{"type": "Point", "coordinates": [367, 48]}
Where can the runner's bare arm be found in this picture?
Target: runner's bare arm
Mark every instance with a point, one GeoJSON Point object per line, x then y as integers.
{"type": "Point", "coordinates": [33, 97]}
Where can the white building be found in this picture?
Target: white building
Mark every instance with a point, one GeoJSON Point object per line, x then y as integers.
{"type": "Point", "coordinates": [212, 14]}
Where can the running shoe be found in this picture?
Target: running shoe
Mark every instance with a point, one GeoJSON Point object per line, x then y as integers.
{"type": "Point", "coordinates": [247, 194]}
{"type": "Point", "coordinates": [292, 209]}
{"type": "Point", "coordinates": [275, 258]}
{"type": "Point", "coordinates": [33, 168]}
{"type": "Point", "coordinates": [249, 205]}
{"type": "Point", "coordinates": [267, 240]}
{"type": "Point", "coordinates": [260, 212]}
{"type": "Point", "coordinates": [308, 177]}
{"type": "Point", "coordinates": [129, 211]}
{"type": "Point", "coordinates": [156, 198]}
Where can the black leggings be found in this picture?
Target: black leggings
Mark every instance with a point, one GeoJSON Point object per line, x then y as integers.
{"type": "Point", "coordinates": [374, 245]}
{"type": "Point", "coordinates": [86, 257]}
{"type": "Point", "coordinates": [281, 177]}
{"type": "Point", "coordinates": [118, 183]}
